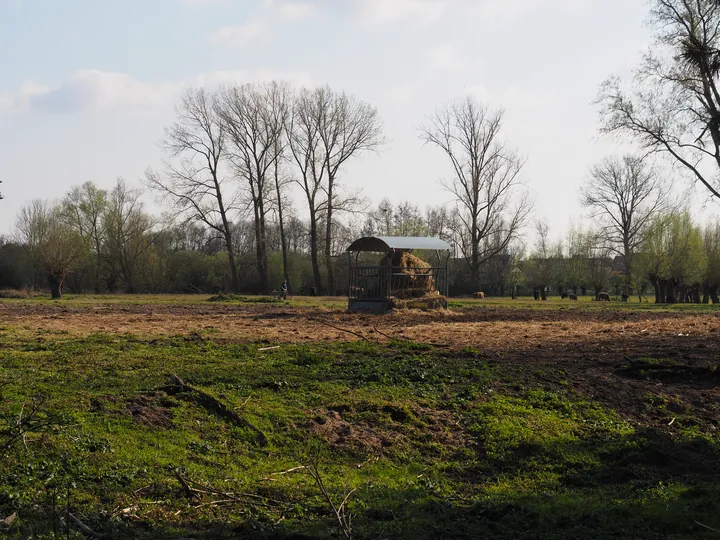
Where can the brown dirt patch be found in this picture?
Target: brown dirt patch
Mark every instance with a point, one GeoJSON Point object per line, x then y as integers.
{"type": "Point", "coordinates": [343, 435]}
{"type": "Point", "coordinates": [147, 411]}
{"type": "Point", "coordinates": [489, 328]}
{"type": "Point", "coordinates": [418, 425]}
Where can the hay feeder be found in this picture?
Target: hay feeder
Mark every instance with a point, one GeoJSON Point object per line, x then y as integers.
{"type": "Point", "coordinates": [400, 279]}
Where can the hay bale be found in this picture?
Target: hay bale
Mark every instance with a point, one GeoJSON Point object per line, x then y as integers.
{"type": "Point", "coordinates": [429, 301]}
{"type": "Point", "coordinates": [416, 278]}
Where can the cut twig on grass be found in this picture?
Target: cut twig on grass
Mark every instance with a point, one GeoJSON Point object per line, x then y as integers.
{"type": "Point", "coordinates": [385, 335]}
{"type": "Point", "coordinates": [710, 528]}
{"type": "Point", "coordinates": [212, 404]}
{"type": "Point", "coordinates": [189, 492]}
{"type": "Point", "coordinates": [239, 497]}
{"type": "Point", "coordinates": [84, 528]}
{"type": "Point", "coordinates": [269, 348]}
{"type": "Point", "coordinates": [294, 469]}
{"type": "Point", "coordinates": [340, 329]}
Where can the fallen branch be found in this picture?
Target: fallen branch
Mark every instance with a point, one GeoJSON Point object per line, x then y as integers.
{"type": "Point", "coordinates": [185, 485]}
{"type": "Point", "coordinates": [227, 497]}
{"type": "Point", "coordinates": [294, 469]}
{"type": "Point", "coordinates": [215, 503]}
{"type": "Point", "coordinates": [340, 329]}
{"type": "Point", "coordinates": [714, 530]}
{"type": "Point", "coordinates": [211, 403]}
{"type": "Point", "coordinates": [269, 348]}
{"type": "Point", "coordinates": [80, 525]}
{"type": "Point", "coordinates": [384, 334]}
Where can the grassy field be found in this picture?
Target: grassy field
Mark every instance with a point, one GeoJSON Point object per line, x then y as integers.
{"type": "Point", "coordinates": [174, 417]}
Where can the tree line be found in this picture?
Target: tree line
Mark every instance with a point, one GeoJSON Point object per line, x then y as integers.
{"type": "Point", "coordinates": [231, 159]}
{"type": "Point", "coordinates": [233, 156]}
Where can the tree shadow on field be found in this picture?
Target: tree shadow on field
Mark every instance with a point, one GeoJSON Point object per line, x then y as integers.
{"type": "Point", "coordinates": [647, 484]}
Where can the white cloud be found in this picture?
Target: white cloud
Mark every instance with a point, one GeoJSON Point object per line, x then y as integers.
{"type": "Point", "coordinates": [390, 11]}
{"type": "Point", "coordinates": [448, 57]}
{"type": "Point", "coordinates": [203, 2]}
{"type": "Point", "coordinates": [239, 35]}
{"type": "Point", "coordinates": [94, 90]}
{"type": "Point", "coordinates": [291, 9]}
{"type": "Point", "coordinates": [98, 90]}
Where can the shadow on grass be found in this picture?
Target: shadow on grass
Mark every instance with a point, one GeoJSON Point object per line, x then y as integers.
{"type": "Point", "coordinates": [647, 484]}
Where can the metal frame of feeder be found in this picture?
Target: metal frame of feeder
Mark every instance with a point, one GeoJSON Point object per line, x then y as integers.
{"type": "Point", "coordinates": [371, 286]}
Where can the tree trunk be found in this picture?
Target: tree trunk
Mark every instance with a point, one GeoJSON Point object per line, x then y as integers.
{"type": "Point", "coordinates": [262, 249]}
{"type": "Point", "coordinates": [714, 294]}
{"type": "Point", "coordinates": [317, 281]}
{"type": "Point", "coordinates": [328, 244]}
{"type": "Point", "coordinates": [283, 242]}
{"type": "Point", "coordinates": [228, 238]}
{"type": "Point", "coordinates": [258, 243]}
{"type": "Point", "coordinates": [543, 292]}
{"type": "Point", "coordinates": [706, 294]}
{"type": "Point", "coordinates": [627, 281]}
{"type": "Point", "coordinates": [235, 285]}
{"type": "Point", "coordinates": [669, 293]}
{"type": "Point", "coordinates": [656, 285]}
{"type": "Point", "coordinates": [56, 284]}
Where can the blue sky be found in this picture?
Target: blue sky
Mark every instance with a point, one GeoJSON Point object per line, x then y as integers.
{"type": "Point", "coordinates": [86, 87]}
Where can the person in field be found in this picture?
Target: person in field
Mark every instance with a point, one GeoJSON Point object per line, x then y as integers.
{"type": "Point", "coordinates": [284, 289]}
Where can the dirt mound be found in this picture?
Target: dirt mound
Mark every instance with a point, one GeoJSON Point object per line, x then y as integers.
{"type": "Point", "coordinates": [147, 411]}
{"type": "Point", "coordinates": [341, 434]}
{"type": "Point", "coordinates": [443, 427]}
{"type": "Point", "coordinates": [416, 426]}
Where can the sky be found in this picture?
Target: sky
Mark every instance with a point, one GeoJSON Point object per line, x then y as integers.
{"type": "Point", "coordinates": [87, 86]}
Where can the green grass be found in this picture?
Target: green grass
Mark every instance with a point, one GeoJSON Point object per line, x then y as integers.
{"type": "Point", "coordinates": [437, 443]}
{"type": "Point", "coordinates": [339, 302]}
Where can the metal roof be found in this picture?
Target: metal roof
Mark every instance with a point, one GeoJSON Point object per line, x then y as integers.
{"type": "Point", "coordinates": [383, 244]}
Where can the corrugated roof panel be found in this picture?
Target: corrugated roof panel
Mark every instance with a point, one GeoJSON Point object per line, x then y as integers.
{"type": "Point", "coordinates": [385, 243]}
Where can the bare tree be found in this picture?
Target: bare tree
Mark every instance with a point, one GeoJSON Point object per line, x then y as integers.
{"type": "Point", "coordinates": [599, 261]}
{"type": "Point", "coordinates": [624, 195]}
{"type": "Point", "coordinates": [83, 209]}
{"type": "Point", "coordinates": [54, 246]}
{"type": "Point", "coordinates": [304, 143]}
{"type": "Point", "coordinates": [130, 233]}
{"type": "Point", "coordinates": [327, 129]}
{"type": "Point", "coordinates": [674, 108]}
{"type": "Point", "coordinates": [484, 182]}
{"type": "Point", "coordinates": [347, 127]}
{"type": "Point", "coordinates": [31, 227]}
{"type": "Point", "coordinates": [196, 185]}
{"type": "Point", "coordinates": [282, 181]}
{"type": "Point", "coordinates": [255, 116]}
